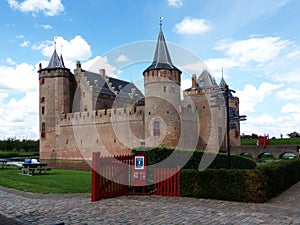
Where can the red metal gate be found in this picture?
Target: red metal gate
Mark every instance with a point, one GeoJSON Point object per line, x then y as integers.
{"type": "Point", "coordinates": [167, 181]}
{"type": "Point", "coordinates": [110, 176]}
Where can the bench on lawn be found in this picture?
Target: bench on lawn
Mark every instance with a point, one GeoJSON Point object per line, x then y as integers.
{"type": "Point", "coordinates": [31, 168]}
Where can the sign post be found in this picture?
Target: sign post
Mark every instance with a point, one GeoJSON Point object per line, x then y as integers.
{"type": "Point", "coordinates": [139, 171]}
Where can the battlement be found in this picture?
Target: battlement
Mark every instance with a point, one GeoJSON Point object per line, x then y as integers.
{"type": "Point", "coordinates": [102, 116]}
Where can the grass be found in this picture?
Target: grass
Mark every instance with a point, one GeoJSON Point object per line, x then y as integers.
{"type": "Point", "coordinates": [283, 141]}
{"type": "Point", "coordinates": [56, 181]}
{"type": "Point", "coordinates": [8, 154]}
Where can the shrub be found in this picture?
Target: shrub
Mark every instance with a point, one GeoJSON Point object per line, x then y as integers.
{"type": "Point", "coordinates": [191, 159]}
{"type": "Point", "coordinates": [231, 185]}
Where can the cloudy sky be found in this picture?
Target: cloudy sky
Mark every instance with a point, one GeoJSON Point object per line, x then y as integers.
{"type": "Point", "coordinates": [256, 42]}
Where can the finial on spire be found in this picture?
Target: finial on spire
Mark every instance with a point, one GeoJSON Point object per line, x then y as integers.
{"type": "Point", "coordinates": [55, 43]}
{"type": "Point", "coordinates": [160, 21]}
{"type": "Point", "coordinates": [222, 71]}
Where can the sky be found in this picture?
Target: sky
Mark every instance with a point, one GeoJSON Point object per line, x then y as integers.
{"type": "Point", "coordinates": [256, 43]}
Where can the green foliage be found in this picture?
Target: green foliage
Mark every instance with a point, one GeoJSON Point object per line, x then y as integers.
{"type": "Point", "coordinates": [56, 182]}
{"type": "Point", "coordinates": [281, 141]}
{"type": "Point", "coordinates": [12, 144]}
{"type": "Point", "coordinates": [7, 154]}
{"type": "Point", "coordinates": [256, 185]}
{"type": "Point", "coordinates": [192, 158]}
{"type": "Point", "coordinates": [280, 176]}
{"type": "Point", "coordinates": [230, 185]}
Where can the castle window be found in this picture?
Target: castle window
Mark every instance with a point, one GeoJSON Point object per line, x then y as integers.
{"type": "Point", "coordinates": [156, 129]}
{"type": "Point", "coordinates": [43, 109]}
{"type": "Point", "coordinates": [85, 108]}
{"type": "Point", "coordinates": [42, 81]}
{"type": "Point", "coordinates": [67, 141]}
{"type": "Point", "coordinates": [165, 88]}
{"type": "Point", "coordinates": [43, 130]}
{"type": "Point", "coordinates": [83, 94]}
{"type": "Point", "coordinates": [42, 99]}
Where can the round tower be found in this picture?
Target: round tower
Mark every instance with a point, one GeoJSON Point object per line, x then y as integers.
{"type": "Point", "coordinates": [162, 98]}
{"type": "Point", "coordinates": [56, 92]}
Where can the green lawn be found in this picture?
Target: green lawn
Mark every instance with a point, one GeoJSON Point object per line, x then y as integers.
{"type": "Point", "coordinates": [56, 181]}
{"type": "Point", "coordinates": [283, 141]}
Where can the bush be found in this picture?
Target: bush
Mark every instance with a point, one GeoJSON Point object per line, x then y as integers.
{"type": "Point", "coordinates": [255, 185]}
{"type": "Point", "coordinates": [191, 159]}
{"type": "Point", "coordinates": [280, 176]}
{"type": "Point", "coordinates": [231, 185]}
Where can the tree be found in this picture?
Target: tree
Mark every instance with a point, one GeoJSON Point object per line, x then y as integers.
{"type": "Point", "coordinates": [294, 134]}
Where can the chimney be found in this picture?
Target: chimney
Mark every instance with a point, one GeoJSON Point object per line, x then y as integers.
{"type": "Point", "coordinates": [194, 81]}
{"type": "Point", "coordinates": [102, 72]}
{"type": "Point", "coordinates": [78, 64]}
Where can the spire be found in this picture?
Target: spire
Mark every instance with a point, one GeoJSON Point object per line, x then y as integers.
{"type": "Point", "coordinates": [55, 61]}
{"type": "Point", "coordinates": [222, 82]}
{"type": "Point", "coordinates": [161, 59]}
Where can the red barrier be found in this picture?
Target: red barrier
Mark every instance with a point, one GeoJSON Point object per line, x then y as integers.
{"type": "Point", "coordinates": [167, 181]}
{"type": "Point", "coordinates": [110, 176]}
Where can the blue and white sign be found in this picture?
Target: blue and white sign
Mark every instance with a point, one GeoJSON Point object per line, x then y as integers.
{"type": "Point", "coordinates": [139, 162]}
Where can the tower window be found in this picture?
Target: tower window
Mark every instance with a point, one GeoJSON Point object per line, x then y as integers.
{"type": "Point", "coordinates": [42, 99]}
{"type": "Point", "coordinates": [165, 88]}
{"type": "Point", "coordinates": [43, 109]}
{"type": "Point", "coordinates": [42, 81]}
{"type": "Point", "coordinates": [156, 129]}
{"type": "Point", "coordinates": [43, 130]}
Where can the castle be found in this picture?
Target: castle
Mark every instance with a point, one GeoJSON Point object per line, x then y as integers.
{"type": "Point", "coordinates": [84, 112]}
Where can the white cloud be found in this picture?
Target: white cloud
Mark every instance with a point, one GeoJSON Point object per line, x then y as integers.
{"type": "Point", "coordinates": [25, 44]}
{"type": "Point", "coordinates": [47, 7]}
{"type": "Point", "coordinates": [43, 26]}
{"type": "Point", "coordinates": [100, 62]}
{"type": "Point", "coordinates": [192, 26]}
{"type": "Point", "coordinates": [72, 50]}
{"type": "Point", "coordinates": [122, 58]}
{"type": "Point", "coordinates": [250, 96]}
{"type": "Point", "coordinates": [291, 108]}
{"type": "Point", "coordinates": [259, 50]}
{"type": "Point", "coordinates": [10, 61]}
{"type": "Point", "coordinates": [21, 78]}
{"type": "Point", "coordinates": [289, 94]}
{"type": "Point", "coordinates": [175, 3]}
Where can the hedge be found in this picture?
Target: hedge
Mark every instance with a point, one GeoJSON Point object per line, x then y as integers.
{"type": "Point", "coordinates": [255, 185]}
{"type": "Point", "coordinates": [191, 159]}
{"type": "Point", "coordinates": [230, 185]}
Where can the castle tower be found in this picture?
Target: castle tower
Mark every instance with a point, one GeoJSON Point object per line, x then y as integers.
{"type": "Point", "coordinates": [234, 107]}
{"type": "Point", "coordinates": [162, 98]}
{"type": "Point", "coordinates": [56, 90]}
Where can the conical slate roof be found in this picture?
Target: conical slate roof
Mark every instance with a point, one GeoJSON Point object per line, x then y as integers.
{"type": "Point", "coordinates": [162, 59]}
{"type": "Point", "coordinates": [55, 61]}
{"type": "Point", "coordinates": [205, 80]}
{"type": "Point", "coordinates": [222, 82]}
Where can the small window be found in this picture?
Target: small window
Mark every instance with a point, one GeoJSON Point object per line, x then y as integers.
{"type": "Point", "coordinates": [164, 88]}
{"type": "Point", "coordinates": [43, 130]}
{"type": "Point", "coordinates": [42, 81]}
{"type": "Point", "coordinates": [156, 129]}
{"type": "Point", "coordinates": [42, 99]}
{"type": "Point", "coordinates": [85, 108]}
{"type": "Point", "coordinates": [43, 109]}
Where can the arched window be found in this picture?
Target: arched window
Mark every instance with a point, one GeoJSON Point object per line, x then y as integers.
{"type": "Point", "coordinates": [156, 129]}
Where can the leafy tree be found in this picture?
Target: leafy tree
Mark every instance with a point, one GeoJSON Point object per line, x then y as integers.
{"type": "Point", "coordinates": [294, 134]}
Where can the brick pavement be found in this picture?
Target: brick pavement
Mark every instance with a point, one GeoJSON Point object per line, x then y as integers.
{"type": "Point", "coordinates": [77, 209]}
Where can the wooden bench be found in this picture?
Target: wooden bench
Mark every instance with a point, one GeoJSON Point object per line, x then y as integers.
{"type": "Point", "coordinates": [30, 168]}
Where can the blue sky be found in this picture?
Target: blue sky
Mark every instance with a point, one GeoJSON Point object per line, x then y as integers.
{"type": "Point", "coordinates": [256, 42]}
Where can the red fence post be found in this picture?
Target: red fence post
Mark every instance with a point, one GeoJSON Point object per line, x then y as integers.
{"type": "Point", "coordinates": [178, 181]}
{"type": "Point", "coordinates": [95, 195]}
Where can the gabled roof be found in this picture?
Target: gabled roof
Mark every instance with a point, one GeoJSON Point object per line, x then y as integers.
{"type": "Point", "coordinates": [125, 89]}
{"type": "Point", "coordinates": [162, 59]}
{"type": "Point", "coordinates": [55, 61]}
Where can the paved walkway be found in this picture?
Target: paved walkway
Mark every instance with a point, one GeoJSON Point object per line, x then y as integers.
{"type": "Point", "coordinates": [26, 208]}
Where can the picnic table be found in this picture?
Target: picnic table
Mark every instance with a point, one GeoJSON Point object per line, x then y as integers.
{"type": "Point", "coordinates": [31, 168]}
{"type": "Point", "coordinates": [3, 163]}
